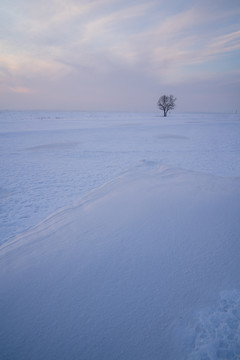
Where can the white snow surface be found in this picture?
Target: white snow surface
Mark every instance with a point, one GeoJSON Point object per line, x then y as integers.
{"type": "Point", "coordinates": [50, 159]}
{"type": "Point", "coordinates": [132, 248]}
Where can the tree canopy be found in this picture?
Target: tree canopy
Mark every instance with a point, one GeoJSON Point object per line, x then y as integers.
{"type": "Point", "coordinates": [166, 103]}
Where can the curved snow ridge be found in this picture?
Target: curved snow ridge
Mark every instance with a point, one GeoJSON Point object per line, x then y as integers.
{"type": "Point", "coordinates": [62, 216]}
{"type": "Point", "coordinates": [216, 331]}
{"type": "Point", "coordinates": [112, 275]}
{"type": "Point", "coordinates": [146, 173]}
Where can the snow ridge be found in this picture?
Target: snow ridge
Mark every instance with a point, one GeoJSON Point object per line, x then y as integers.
{"type": "Point", "coordinates": [112, 276]}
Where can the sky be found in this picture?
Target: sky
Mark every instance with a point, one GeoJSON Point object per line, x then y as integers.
{"type": "Point", "coordinates": [119, 55]}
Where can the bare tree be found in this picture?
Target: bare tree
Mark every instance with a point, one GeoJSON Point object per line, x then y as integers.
{"type": "Point", "coordinates": [166, 103]}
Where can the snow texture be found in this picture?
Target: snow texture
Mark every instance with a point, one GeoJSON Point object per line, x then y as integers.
{"type": "Point", "coordinates": [145, 262]}
{"type": "Point", "coordinates": [216, 332]}
{"type": "Point", "coordinates": [50, 159]}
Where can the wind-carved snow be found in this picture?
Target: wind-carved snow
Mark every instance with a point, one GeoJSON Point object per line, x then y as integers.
{"type": "Point", "coordinates": [216, 331]}
{"type": "Point", "coordinates": [49, 159]}
{"type": "Point", "coordinates": [134, 234]}
{"type": "Point", "coordinates": [113, 275]}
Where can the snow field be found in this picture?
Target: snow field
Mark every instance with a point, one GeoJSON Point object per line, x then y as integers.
{"type": "Point", "coordinates": [50, 159]}
{"type": "Point", "coordinates": [145, 263]}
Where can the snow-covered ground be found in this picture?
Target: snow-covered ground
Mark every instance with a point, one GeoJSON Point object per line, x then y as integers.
{"type": "Point", "coordinates": [136, 251]}
{"type": "Point", "coordinates": [49, 159]}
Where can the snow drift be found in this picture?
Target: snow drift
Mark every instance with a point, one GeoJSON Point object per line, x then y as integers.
{"type": "Point", "coordinates": [134, 270]}
{"type": "Point", "coordinates": [50, 159]}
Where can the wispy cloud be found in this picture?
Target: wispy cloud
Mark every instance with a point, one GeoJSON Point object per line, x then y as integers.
{"type": "Point", "coordinates": [184, 39]}
{"type": "Point", "coordinates": [225, 43]}
{"type": "Point", "coordinates": [114, 40]}
{"type": "Point", "coordinates": [20, 90]}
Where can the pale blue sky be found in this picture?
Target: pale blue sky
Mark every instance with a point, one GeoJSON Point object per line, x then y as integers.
{"type": "Point", "coordinates": [119, 55]}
